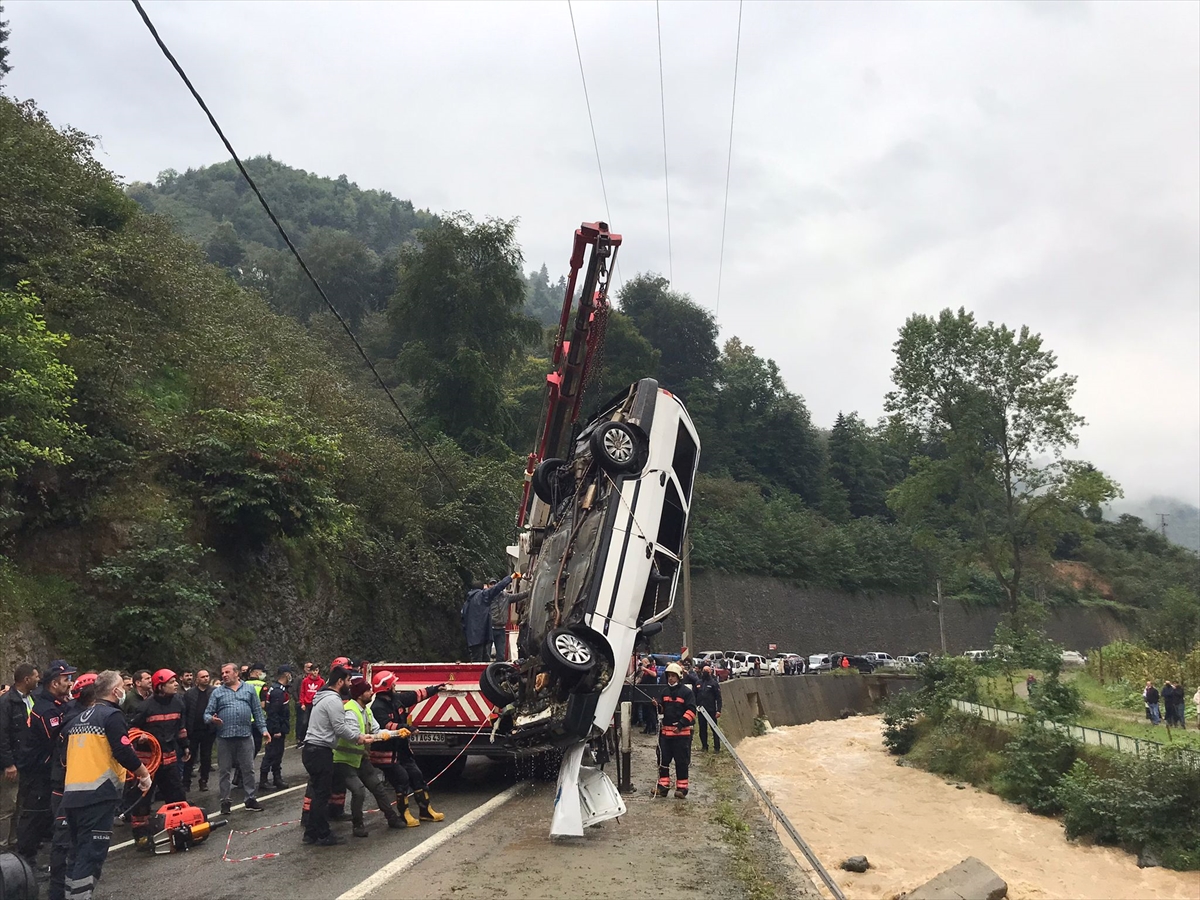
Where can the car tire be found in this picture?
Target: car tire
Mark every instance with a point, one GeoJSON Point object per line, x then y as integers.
{"type": "Point", "coordinates": [550, 482]}
{"type": "Point", "coordinates": [566, 653]}
{"type": "Point", "coordinates": [617, 447]}
{"type": "Point", "coordinates": [496, 683]}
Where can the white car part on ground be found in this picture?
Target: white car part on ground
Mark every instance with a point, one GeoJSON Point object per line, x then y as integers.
{"type": "Point", "coordinates": [585, 796]}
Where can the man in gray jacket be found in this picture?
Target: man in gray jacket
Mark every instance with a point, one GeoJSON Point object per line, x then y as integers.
{"type": "Point", "coordinates": [326, 723]}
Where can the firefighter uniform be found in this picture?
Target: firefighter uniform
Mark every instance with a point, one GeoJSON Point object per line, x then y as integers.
{"type": "Point", "coordinates": [98, 754]}
{"type": "Point", "coordinates": [392, 710]}
{"type": "Point", "coordinates": [162, 716]}
{"type": "Point", "coordinates": [675, 735]}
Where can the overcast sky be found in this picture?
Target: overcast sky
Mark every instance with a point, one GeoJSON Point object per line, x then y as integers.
{"type": "Point", "coordinates": [1038, 163]}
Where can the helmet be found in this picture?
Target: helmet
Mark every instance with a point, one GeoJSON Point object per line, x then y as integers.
{"type": "Point", "coordinates": [85, 680]}
{"type": "Point", "coordinates": [343, 661]}
{"type": "Point", "coordinates": [383, 681]}
{"type": "Point", "coordinates": [161, 677]}
{"type": "Point", "coordinates": [675, 669]}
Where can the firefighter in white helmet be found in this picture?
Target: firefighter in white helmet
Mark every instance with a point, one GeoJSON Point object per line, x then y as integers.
{"type": "Point", "coordinates": [675, 734]}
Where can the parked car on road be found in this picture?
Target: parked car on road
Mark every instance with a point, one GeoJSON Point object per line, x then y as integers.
{"type": "Point", "coordinates": [1073, 658]}
{"type": "Point", "coordinates": [978, 655]}
{"type": "Point", "coordinates": [819, 662]}
{"type": "Point", "coordinates": [881, 660]}
{"type": "Point", "coordinates": [864, 665]}
{"type": "Point", "coordinates": [788, 664]}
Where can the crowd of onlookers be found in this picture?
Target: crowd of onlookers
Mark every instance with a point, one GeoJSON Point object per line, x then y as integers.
{"type": "Point", "coordinates": [1166, 706]}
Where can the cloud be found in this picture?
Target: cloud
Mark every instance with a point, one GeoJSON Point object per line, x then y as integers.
{"type": "Point", "coordinates": [1034, 162]}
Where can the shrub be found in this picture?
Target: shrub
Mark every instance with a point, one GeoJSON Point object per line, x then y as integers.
{"type": "Point", "coordinates": [153, 596]}
{"type": "Point", "coordinates": [1149, 803]}
{"type": "Point", "coordinates": [1034, 764]}
{"type": "Point", "coordinates": [900, 714]}
{"type": "Point", "coordinates": [1056, 701]}
{"type": "Point", "coordinates": [964, 746]}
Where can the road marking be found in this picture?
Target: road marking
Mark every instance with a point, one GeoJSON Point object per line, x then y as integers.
{"type": "Point", "coordinates": [270, 796]}
{"type": "Point", "coordinates": [419, 852]}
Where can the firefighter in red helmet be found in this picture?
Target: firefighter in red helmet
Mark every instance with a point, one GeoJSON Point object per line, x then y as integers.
{"type": "Point", "coordinates": [161, 715]}
{"type": "Point", "coordinates": [391, 710]}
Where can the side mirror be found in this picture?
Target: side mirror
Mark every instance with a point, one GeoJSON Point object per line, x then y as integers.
{"type": "Point", "coordinates": [650, 629]}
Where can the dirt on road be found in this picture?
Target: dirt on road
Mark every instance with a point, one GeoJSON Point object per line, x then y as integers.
{"type": "Point", "coordinates": [848, 796]}
{"type": "Point", "coordinates": [716, 843]}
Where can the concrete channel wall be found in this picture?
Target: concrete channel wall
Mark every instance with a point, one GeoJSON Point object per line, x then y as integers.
{"type": "Point", "coordinates": [800, 699]}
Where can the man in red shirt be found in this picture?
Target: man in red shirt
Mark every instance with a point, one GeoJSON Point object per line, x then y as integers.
{"type": "Point", "coordinates": [309, 685]}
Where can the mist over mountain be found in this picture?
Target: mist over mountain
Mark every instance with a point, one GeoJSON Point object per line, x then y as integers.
{"type": "Point", "coordinates": [1183, 518]}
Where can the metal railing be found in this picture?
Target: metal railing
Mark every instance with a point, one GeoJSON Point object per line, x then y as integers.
{"type": "Point", "coordinates": [775, 812]}
{"type": "Point", "coordinates": [1085, 734]}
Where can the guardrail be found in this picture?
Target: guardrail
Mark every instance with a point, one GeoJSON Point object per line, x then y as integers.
{"type": "Point", "coordinates": [775, 812]}
{"type": "Point", "coordinates": [1085, 734]}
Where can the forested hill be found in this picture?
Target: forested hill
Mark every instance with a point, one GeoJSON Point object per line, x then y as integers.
{"type": "Point", "coordinates": [192, 440]}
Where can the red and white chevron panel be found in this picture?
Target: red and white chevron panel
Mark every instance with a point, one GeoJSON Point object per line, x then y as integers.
{"type": "Point", "coordinates": [452, 710]}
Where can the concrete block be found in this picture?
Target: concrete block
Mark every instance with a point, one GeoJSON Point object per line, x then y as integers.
{"type": "Point", "coordinates": [969, 880]}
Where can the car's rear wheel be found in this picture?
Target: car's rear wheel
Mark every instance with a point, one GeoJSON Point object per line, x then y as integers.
{"type": "Point", "coordinates": [500, 684]}
{"type": "Point", "coordinates": [617, 447]}
{"type": "Point", "coordinates": [551, 480]}
{"type": "Point", "coordinates": [567, 653]}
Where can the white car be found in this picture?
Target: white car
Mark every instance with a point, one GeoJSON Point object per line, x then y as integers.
{"type": "Point", "coordinates": [1073, 658]}
{"type": "Point", "coordinates": [978, 655]}
{"type": "Point", "coordinates": [908, 662]}
{"type": "Point", "coordinates": [602, 553]}
{"type": "Point", "coordinates": [819, 662]}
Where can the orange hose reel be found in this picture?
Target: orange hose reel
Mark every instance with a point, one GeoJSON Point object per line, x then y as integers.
{"type": "Point", "coordinates": [148, 750]}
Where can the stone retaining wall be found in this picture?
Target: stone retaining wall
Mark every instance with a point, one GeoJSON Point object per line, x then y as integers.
{"type": "Point", "coordinates": [800, 699]}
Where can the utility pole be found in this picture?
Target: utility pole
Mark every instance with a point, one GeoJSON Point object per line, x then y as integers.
{"type": "Point", "coordinates": [1162, 524]}
{"type": "Point", "coordinates": [941, 617]}
{"type": "Point", "coordinates": [687, 595]}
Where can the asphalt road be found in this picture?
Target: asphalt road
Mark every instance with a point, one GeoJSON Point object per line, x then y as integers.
{"type": "Point", "coordinates": [300, 871]}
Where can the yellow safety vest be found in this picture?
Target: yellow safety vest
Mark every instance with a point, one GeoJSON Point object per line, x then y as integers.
{"type": "Point", "coordinates": [349, 753]}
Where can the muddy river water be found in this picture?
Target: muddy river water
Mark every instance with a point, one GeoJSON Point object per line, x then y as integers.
{"type": "Point", "coordinates": [847, 796]}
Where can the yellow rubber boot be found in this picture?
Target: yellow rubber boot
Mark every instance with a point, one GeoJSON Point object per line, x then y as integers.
{"type": "Point", "coordinates": [409, 819]}
{"type": "Point", "coordinates": [427, 811]}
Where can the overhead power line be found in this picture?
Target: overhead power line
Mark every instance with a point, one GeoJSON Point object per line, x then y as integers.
{"type": "Point", "coordinates": [591, 122]}
{"type": "Point", "coordinates": [442, 475]}
{"type": "Point", "coordinates": [662, 95]}
{"type": "Point", "coordinates": [729, 161]}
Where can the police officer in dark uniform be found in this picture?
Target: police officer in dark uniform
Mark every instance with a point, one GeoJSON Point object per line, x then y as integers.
{"type": "Point", "coordinates": [35, 758]}
{"type": "Point", "coordinates": [708, 695]}
{"type": "Point", "coordinates": [278, 700]}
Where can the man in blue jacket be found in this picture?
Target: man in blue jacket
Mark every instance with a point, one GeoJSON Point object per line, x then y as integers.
{"type": "Point", "coordinates": [477, 617]}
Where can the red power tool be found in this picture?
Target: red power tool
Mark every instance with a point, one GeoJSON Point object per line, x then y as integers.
{"type": "Point", "coordinates": [181, 826]}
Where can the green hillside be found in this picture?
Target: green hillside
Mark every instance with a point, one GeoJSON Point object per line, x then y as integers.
{"type": "Point", "coordinates": [192, 456]}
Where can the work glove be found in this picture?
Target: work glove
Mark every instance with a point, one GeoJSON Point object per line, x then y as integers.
{"type": "Point", "coordinates": [145, 783]}
{"type": "Point", "coordinates": [434, 688]}
{"type": "Point", "coordinates": [517, 576]}
{"type": "Point", "coordinates": [404, 733]}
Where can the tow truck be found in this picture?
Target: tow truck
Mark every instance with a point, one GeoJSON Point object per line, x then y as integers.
{"type": "Point", "coordinates": [601, 529]}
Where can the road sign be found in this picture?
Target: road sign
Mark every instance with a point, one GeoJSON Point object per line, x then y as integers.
{"type": "Point", "coordinates": [770, 646]}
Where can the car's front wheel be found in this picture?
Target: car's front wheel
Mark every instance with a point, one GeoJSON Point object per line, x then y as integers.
{"type": "Point", "coordinates": [567, 653]}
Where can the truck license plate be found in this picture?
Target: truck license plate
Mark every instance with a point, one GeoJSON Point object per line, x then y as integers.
{"type": "Point", "coordinates": [420, 737]}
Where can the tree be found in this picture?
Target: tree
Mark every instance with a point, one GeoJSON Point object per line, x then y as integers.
{"type": "Point", "coordinates": [856, 463]}
{"type": "Point", "coordinates": [683, 332]}
{"type": "Point", "coordinates": [223, 248]}
{"type": "Point", "coordinates": [459, 324]}
{"type": "Point", "coordinates": [5, 68]}
{"type": "Point", "coordinates": [35, 390]}
{"type": "Point", "coordinates": [754, 428]}
{"type": "Point", "coordinates": [991, 399]}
